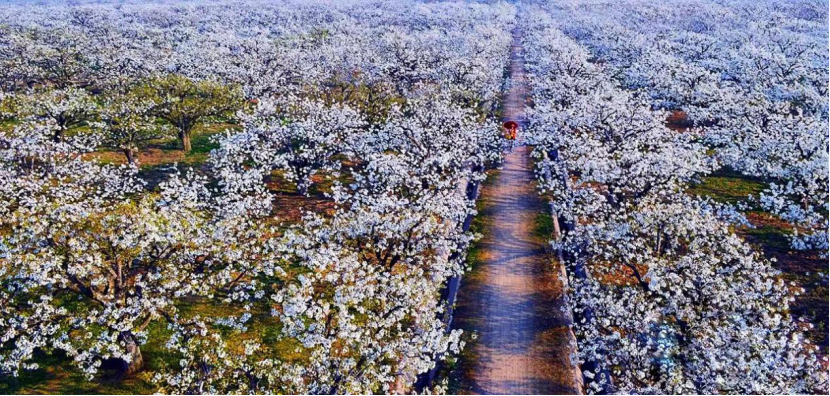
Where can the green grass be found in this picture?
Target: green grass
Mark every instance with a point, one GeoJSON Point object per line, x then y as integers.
{"type": "Point", "coordinates": [202, 142]}
{"type": "Point", "coordinates": [543, 226]}
{"type": "Point", "coordinates": [57, 374]}
{"type": "Point", "coordinates": [728, 187]}
{"type": "Point", "coordinates": [8, 125]}
{"type": "Point", "coordinates": [770, 236]}
{"type": "Point", "coordinates": [481, 222]}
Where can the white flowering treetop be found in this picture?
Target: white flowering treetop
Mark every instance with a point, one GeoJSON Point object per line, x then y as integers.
{"type": "Point", "coordinates": [65, 108]}
{"type": "Point", "coordinates": [666, 298]}
{"type": "Point", "coordinates": [126, 123]}
{"type": "Point", "coordinates": [87, 264]}
{"type": "Point", "coordinates": [752, 74]}
{"type": "Point", "coordinates": [394, 104]}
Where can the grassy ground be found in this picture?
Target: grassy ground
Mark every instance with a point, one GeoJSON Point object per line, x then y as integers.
{"type": "Point", "coordinates": [730, 187]}
{"type": "Point", "coordinates": [168, 150]}
{"type": "Point", "coordinates": [770, 234]}
{"type": "Point", "coordinates": [57, 375]}
{"type": "Point", "coordinates": [543, 227]}
{"type": "Point", "coordinates": [7, 125]}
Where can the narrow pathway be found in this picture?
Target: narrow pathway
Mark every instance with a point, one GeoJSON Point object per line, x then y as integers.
{"type": "Point", "coordinates": [513, 299]}
{"type": "Point", "coordinates": [513, 105]}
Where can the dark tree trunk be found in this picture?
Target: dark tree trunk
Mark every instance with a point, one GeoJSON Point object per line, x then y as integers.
{"type": "Point", "coordinates": [58, 138]}
{"type": "Point", "coordinates": [131, 346]}
{"type": "Point", "coordinates": [130, 154]}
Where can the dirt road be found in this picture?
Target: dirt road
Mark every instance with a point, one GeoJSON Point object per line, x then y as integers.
{"type": "Point", "coordinates": [513, 299]}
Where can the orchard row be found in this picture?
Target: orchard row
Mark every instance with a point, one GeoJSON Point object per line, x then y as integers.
{"type": "Point", "coordinates": [666, 297]}
{"type": "Point", "coordinates": [391, 105]}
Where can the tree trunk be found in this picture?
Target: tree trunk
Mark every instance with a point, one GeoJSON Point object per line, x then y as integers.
{"type": "Point", "coordinates": [136, 363]}
{"type": "Point", "coordinates": [130, 154]}
{"type": "Point", "coordinates": [58, 138]}
{"type": "Point", "coordinates": [184, 137]}
{"type": "Point", "coordinates": [303, 174]}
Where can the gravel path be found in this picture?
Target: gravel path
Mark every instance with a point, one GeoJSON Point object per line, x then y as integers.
{"type": "Point", "coordinates": [513, 300]}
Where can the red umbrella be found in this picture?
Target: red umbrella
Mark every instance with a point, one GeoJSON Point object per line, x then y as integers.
{"type": "Point", "coordinates": [510, 129]}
